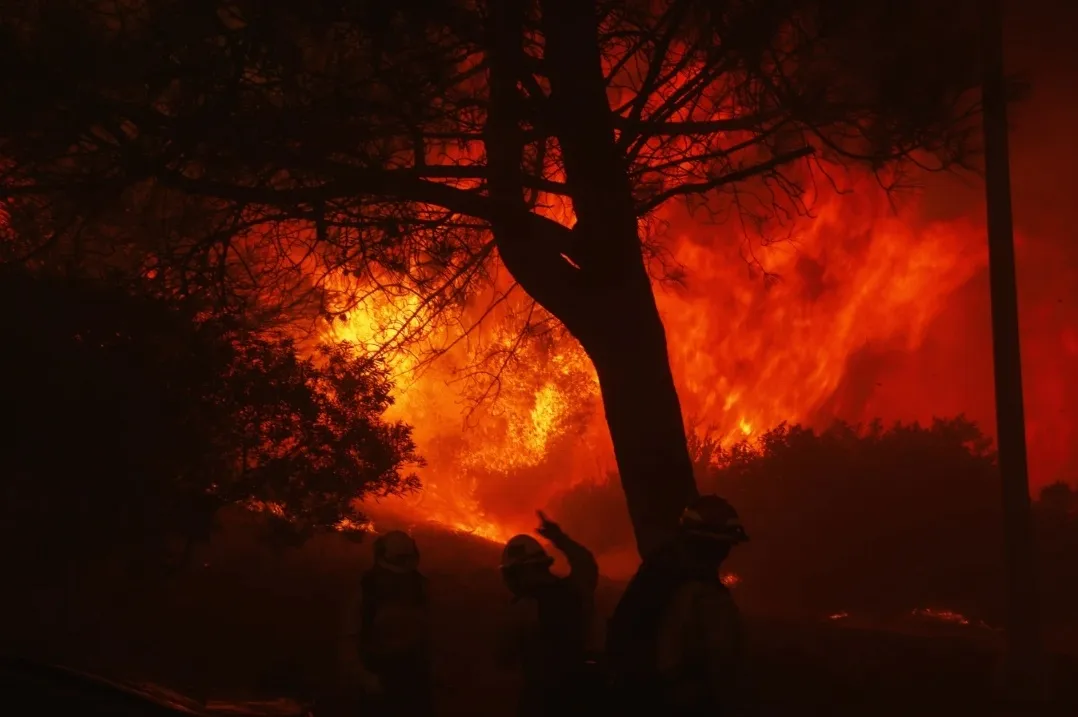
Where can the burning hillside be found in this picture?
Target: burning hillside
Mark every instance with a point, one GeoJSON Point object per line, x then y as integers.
{"type": "Point", "coordinates": [865, 309]}
{"type": "Point", "coordinates": [859, 321]}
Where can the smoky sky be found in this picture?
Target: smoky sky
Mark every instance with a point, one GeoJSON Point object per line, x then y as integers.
{"type": "Point", "coordinates": [951, 372]}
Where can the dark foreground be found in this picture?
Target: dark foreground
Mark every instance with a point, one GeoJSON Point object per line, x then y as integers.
{"type": "Point", "coordinates": [248, 625]}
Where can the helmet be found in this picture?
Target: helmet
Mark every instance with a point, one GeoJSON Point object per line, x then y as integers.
{"type": "Point", "coordinates": [524, 550]}
{"type": "Point", "coordinates": [710, 516]}
{"type": "Point", "coordinates": [396, 551]}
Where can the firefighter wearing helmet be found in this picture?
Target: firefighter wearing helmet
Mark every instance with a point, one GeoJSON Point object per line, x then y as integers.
{"type": "Point", "coordinates": [675, 639]}
{"type": "Point", "coordinates": [385, 644]}
{"type": "Point", "coordinates": [550, 622]}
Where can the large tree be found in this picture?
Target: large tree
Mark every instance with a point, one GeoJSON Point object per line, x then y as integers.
{"type": "Point", "coordinates": [412, 144]}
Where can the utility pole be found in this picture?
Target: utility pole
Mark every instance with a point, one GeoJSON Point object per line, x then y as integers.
{"type": "Point", "coordinates": [1022, 671]}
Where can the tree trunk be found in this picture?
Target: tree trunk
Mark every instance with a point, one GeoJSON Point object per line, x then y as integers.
{"type": "Point", "coordinates": [1022, 671]}
{"type": "Point", "coordinates": [593, 278]}
{"type": "Point", "coordinates": [627, 344]}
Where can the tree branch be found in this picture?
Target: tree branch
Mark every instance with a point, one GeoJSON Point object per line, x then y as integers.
{"type": "Point", "coordinates": [448, 171]}
{"type": "Point", "coordinates": [390, 185]}
{"type": "Point", "coordinates": [740, 175]}
{"type": "Point", "coordinates": [542, 269]}
{"type": "Point", "coordinates": [680, 129]}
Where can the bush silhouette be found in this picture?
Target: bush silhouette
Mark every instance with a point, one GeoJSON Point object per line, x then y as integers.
{"type": "Point", "coordinates": [132, 421]}
{"type": "Point", "coordinates": [873, 520]}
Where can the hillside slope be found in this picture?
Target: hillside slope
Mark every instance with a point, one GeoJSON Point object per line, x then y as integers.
{"type": "Point", "coordinates": [248, 623]}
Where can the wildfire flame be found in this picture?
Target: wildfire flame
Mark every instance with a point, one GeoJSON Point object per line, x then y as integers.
{"type": "Point", "coordinates": [877, 311]}
{"type": "Point", "coordinates": [747, 353]}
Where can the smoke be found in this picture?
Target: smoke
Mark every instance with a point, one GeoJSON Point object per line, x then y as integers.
{"type": "Point", "coordinates": [951, 371]}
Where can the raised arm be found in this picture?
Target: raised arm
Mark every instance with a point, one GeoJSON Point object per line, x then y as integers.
{"type": "Point", "coordinates": [583, 569]}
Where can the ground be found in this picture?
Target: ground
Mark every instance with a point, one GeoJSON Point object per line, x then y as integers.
{"type": "Point", "coordinates": [246, 623]}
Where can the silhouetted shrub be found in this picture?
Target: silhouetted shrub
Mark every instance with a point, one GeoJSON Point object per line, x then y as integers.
{"type": "Point", "coordinates": [865, 519]}
{"type": "Point", "coordinates": [131, 421]}
{"type": "Point", "coordinates": [872, 519]}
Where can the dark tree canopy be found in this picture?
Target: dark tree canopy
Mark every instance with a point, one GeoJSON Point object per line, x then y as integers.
{"type": "Point", "coordinates": [132, 422]}
{"type": "Point", "coordinates": [371, 126]}
{"type": "Point", "coordinates": [247, 150]}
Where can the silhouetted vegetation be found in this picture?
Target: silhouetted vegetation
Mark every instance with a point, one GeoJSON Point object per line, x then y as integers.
{"type": "Point", "coordinates": [872, 520]}
{"type": "Point", "coordinates": [132, 421]}
{"type": "Point", "coordinates": [409, 146]}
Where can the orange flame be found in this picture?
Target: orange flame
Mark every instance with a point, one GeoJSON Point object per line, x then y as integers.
{"type": "Point", "coordinates": [876, 313]}
{"type": "Point", "coordinates": [747, 354]}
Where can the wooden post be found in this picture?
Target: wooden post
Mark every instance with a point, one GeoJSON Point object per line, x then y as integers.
{"type": "Point", "coordinates": [1022, 672]}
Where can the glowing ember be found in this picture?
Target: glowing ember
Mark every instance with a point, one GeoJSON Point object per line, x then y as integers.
{"type": "Point", "coordinates": [941, 616]}
{"type": "Point", "coordinates": [730, 580]}
{"type": "Point", "coordinates": [266, 507]}
{"type": "Point", "coordinates": [838, 616]}
{"type": "Point", "coordinates": [351, 526]}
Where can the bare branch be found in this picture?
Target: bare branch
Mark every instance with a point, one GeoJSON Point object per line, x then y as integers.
{"type": "Point", "coordinates": [644, 128]}
{"type": "Point", "coordinates": [261, 159]}
{"type": "Point", "coordinates": [726, 179]}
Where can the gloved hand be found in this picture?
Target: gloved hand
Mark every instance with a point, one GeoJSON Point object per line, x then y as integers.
{"type": "Point", "coordinates": [548, 528]}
